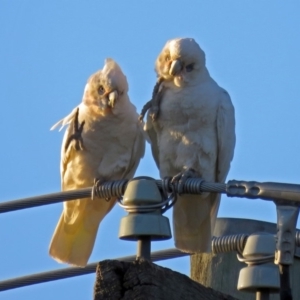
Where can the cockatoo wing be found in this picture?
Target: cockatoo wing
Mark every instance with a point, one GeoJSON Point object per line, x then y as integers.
{"type": "Point", "coordinates": [226, 136]}
{"type": "Point", "coordinates": [66, 120]}
{"type": "Point", "coordinates": [152, 136]}
{"type": "Point", "coordinates": [226, 144]}
{"type": "Point", "coordinates": [138, 151]}
{"type": "Point", "coordinates": [75, 233]}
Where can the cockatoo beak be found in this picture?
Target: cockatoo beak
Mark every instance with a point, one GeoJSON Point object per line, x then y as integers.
{"type": "Point", "coordinates": [175, 67]}
{"type": "Point", "coordinates": [112, 98]}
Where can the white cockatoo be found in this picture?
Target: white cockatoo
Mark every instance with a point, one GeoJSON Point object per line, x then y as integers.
{"type": "Point", "coordinates": [103, 141]}
{"type": "Point", "coordinates": [191, 125]}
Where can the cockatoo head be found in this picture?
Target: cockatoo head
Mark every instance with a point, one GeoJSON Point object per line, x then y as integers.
{"type": "Point", "coordinates": [181, 61]}
{"type": "Point", "coordinates": [105, 88]}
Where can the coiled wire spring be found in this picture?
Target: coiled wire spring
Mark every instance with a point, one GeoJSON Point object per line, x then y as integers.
{"type": "Point", "coordinates": [168, 189]}
{"type": "Point", "coordinates": [237, 242]}
{"type": "Point", "coordinates": [229, 243]}
{"type": "Point", "coordinates": [108, 189]}
{"type": "Point", "coordinates": [168, 193]}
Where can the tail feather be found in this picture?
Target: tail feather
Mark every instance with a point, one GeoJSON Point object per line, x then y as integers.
{"type": "Point", "coordinates": [73, 243]}
{"type": "Point", "coordinates": [73, 248]}
{"type": "Point", "coordinates": [194, 219]}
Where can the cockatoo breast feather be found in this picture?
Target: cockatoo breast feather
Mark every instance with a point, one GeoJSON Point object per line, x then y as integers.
{"type": "Point", "coordinates": [188, 125]}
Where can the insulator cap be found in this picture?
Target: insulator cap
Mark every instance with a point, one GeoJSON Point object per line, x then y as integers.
{"type": "Point", "coordinates": [143, 192]}
{"type": "Point", "coordinates": [253, 278]}
{"type": "Point", "coordinates": [259, 244]}
{"type": "Point", "coordinates": [261, 273]}
{"type": "Point", "coordinates": [135, 225]}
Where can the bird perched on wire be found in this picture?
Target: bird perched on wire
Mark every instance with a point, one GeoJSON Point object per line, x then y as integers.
{"type": "Point", "coordinates": [191, 126]}
{"type": "Point", "coordinates": [104, 140]}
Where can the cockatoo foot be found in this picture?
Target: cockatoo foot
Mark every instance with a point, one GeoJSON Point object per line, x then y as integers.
{"type": "Point", "coordinates": [181, 178]}
{"type": "Point", "coordinates": [154, 104]}
{"type": "Point", "coordinates": [153, 112]}
{"type": "Point", "coordinates": [76, 135]}
{"type": "Point", "coordinates": [157, 95]}
{"type": "Point", "coordinates": [146, 107]}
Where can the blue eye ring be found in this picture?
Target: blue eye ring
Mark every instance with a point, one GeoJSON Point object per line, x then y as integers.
{"type": "Point", "coordinates": [189, 68]}
{"type": "Point", "coordinates": [101, 90]}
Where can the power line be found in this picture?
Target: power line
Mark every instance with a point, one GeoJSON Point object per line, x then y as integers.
{"type": "Point", "coordinates": [77, 271]}
{"type": "Point", "coordinates": [281, 193]}
{"type": "Point", "coordinates": [272, 191]}
{"type": "Point", "coordinates": [44, 200]}
{"type": "Point", "coordinates": [107, 189]}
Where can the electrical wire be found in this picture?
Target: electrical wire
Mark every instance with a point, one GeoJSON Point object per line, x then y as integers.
{"type": "Point", "coordinates": [105, 190]}
{"type": "Point", "coordinates": [219, 245]}
{"type": "Point", "coordinates": [287, 193]}
{"type": "Point", "coordinates": [77, 271]}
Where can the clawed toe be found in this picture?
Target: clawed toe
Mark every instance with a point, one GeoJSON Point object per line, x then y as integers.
{"type": "Point", "coordinates": [153, 112]}
{"type": "Point", "coordinates": [77, 134]}
{"type": "Point", "coordinates": [181, 178]}
{"type": "Point", "coordinates": [153, 105]}
{"type": "Point", "coordinates": [146, 107]}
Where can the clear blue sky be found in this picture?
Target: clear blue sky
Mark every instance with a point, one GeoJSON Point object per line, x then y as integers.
{"type": "Point", "coordinates": [48, 49]}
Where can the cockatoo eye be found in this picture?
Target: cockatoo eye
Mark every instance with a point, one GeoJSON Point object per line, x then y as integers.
{"type": "Point", "coordinates": [167, 57]}
{"type": "Point", "coordinates": [189, 68]}
{"type": "Point", "coordinates": [101, 90]}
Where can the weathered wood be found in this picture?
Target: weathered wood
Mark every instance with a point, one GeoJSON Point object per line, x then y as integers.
{"type": "Point", "coordinates": [221, 271]}
{"type": "Point", "coordinates": [143, 280]}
